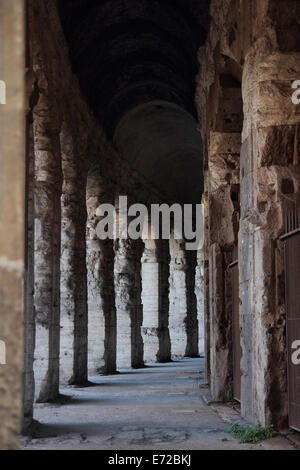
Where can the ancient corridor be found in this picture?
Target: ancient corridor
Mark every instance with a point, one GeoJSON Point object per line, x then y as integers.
{"type": "Point", "coordinates": [149, 222]}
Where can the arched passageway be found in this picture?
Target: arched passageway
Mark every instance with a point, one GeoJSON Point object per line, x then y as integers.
{"type": "Point", "coordinates": [121, 132]}
{"type": "Point", "coordinates": [133, 107]}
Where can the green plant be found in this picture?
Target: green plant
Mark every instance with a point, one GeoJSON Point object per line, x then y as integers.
{"type": "Point", "coordinates": [252, 434]}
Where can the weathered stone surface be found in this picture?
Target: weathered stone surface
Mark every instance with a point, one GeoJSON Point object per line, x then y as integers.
{"type": "Point", "coordinates": [73, 301]}
{"type": "Point", "coordinates": [101, 293]}
{"type": "Point", "coordinates": [269, 182]}
{"type": "Point", "coordinates": [178, 299]}
{"type": "Point", "coordinates": [200, 293]}
{"type": "Point", "coordinates": [29, 314]}
{"type": "Point", "coordinates": [267, 90]}
{"type": "Point", "coordinates": [128, 286]}
{"type": "Point", "coordinates": [12, 223]}
{"type": "Point", "coordinates": [47, 225]}
{"type": "Point", "coordinates": [155, 301]}
{"type": "Point", "coordinates": [220, 330]}
{"type": "Point", "coordinates": [192, 324]}
{"type": "Point", "coordinates": [150, 301]}
{"type": "Point", "coordinates": [139, 303]}
{"type": "Point", "coordinates": [164, 331]}
{"type": "Point", "coordinates": [47, 250]}
{"type": "Point", "coordinates": [223, 194]}
{"type": "Point", "coordinates": [255, 44]}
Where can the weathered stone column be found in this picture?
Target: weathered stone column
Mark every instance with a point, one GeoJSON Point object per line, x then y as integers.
{"type": "Point", "coordinates": [155, 302]}
{"type": "Point", "coordinates": [73, 343]}
{"type": "Point", "coordinates": [178, 299]}
{"type": "Point", "coordinates": [29, 318]}
{"type": "Point", "coordinates": [101, 291]}
{"type": "Point", "coordinates": [128, 286]}
{"type": "Point", "coordinates": [270, 178]}
{"type": "Point", "coordinates": [223, 192]}
{"type": "Point", "coordinates": [200, 292]}
{"type": "Point", "coordinates": [192, 318]}
{"type": "Point", "coordinates": [206, 284]}
{"type": "Point", "coordinates": [150, 301]}
{"type": "Point", "coordinates": [164, 275]}
{"type": "Point", "coordinates": [12, 179]}
{"type": "Point", "coordinates": [48, 186]}
{"type": "Point", "coordinates": [29, 314]}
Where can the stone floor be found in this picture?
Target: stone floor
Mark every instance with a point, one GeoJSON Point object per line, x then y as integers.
{"type": "Point", "coordinates": [160, 407]}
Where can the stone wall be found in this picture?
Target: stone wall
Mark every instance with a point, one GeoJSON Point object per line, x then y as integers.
{"type": "Point", "coordinates": [223, 162]}
{"type": "Point", "coordinates": [255, 43]}
{"type": "Point", "coordinates": [12, 223]}
{"type": "Point", "coordinates": [270, 184]}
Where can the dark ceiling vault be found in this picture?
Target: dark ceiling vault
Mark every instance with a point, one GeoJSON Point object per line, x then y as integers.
{"type": "Point", "coordinates": [129, 53]}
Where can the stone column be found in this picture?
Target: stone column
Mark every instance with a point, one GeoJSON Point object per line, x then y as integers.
{"type": "Point", "coordinates": [128, 286]}
{"type": "Point", "coordinates": [206, 283]}
{"type": "Point", "coordinates": [29, 320]}
{"type": "Point", "coordinates": [12, 178]}
{"type": "Point", "coordinates": [73, 342]}
{"type": "Point", "coordinates": [200, 292]}
{"type": "Point", "coordinates": [164, 354]}
{"type": "Point", "coordinates": [178, 299]}
{"type": "Point", "coordinates": [47, 233]}
{"type": "Point", "coordinates": [223, 193]}
{"type": "Point", "coordinates": [150, 301]}
{"type": "Point", "coordinates": [101, 292]}
{"type": "Point", "coordinates": [270, 178]}
{"type": "Point", "coordinates": [29, 316]}
{"type": "Point", "coordinates": [192, 319]}
{"type": "Point", "coordinates": [155, 302]}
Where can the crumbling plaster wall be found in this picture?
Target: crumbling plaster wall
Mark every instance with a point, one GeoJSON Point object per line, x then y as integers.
{"type": "Point", "coordinates": [260, 42]}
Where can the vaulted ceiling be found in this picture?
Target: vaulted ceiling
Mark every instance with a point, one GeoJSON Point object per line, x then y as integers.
{"type": "Point", "coordinates": [136, 61]}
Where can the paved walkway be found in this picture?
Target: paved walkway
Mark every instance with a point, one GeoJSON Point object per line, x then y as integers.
{"type": "Point", "coordinates": [160, 407]}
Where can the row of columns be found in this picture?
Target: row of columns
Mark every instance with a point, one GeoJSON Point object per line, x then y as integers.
{"type": "Point", "coordinates": [93, 306]}
{"type": "Point", "coordinates": [134, 301]}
